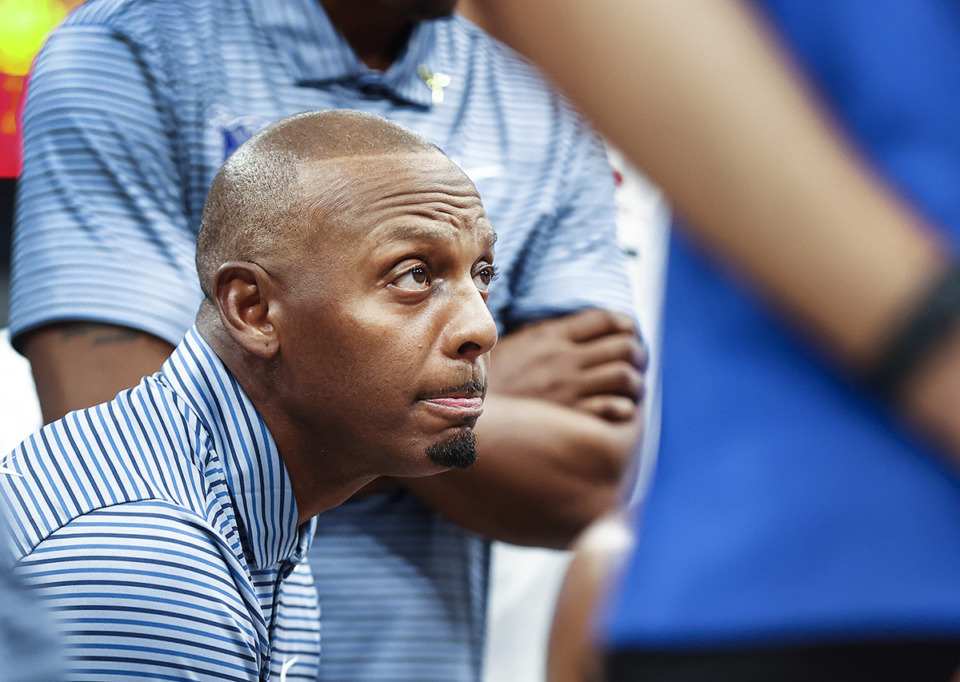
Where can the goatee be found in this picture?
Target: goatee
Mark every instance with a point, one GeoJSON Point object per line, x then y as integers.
{"type": "Point", "coordinates": [458, 452]}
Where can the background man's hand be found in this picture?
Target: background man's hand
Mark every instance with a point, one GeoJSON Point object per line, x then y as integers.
{"type": "Point", "coordinates": [592, 360]}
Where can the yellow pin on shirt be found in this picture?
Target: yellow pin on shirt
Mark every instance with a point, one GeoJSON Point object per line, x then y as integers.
{"type": "Point", "coordinates": [436, 82]}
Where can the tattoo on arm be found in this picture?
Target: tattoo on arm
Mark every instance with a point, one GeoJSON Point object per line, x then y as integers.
{"type": "Point", "coordinates": [99, 334]}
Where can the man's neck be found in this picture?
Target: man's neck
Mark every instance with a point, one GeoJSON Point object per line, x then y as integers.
{"type": "Point", "coordinates": [320, 475]}
{"type": "Point", "coordinates": [376, 34]}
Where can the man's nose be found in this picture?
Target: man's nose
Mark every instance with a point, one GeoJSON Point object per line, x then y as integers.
{"type": "Point", "coordinates": [472, 329]}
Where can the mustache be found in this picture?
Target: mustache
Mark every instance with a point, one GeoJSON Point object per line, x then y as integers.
{"type": "Point", "coordinates": [471, 388]}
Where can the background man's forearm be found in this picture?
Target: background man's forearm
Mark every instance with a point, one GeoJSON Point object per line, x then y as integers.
{"type": "Point", "coordinates": [544, 473]}
{"type": "Point", "coordinates": [80, 364]}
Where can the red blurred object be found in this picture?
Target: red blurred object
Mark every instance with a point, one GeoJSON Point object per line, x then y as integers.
{"type": "Point", "coordinates": [13, 84]}
{"type": "Point", "coordinates": [11, 151]}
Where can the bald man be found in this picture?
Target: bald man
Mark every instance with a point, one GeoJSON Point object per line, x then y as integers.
{"type": "Point", "coordinates": [344, 334]}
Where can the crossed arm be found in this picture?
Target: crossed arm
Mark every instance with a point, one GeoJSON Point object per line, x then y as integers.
{"type": "Point", "coordinates": [560, 423]}
{"type": "Point", "coordinates": [559, 427]}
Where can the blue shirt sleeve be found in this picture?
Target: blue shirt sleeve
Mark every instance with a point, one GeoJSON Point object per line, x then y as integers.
{"type": "Point", "coordinates": [141, 593]}
{"type": "Point", "coordinates": [576, 260]}
{"type": "Point", "coordinates": [101, 230]}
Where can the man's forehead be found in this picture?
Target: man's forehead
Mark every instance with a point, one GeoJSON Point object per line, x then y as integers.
{"type": "Point", "coordinates": [355, 186]}
{"type": "Point", "coordinates": [371, 171]}
{"type": "Point", "coordinates": [422, 159]}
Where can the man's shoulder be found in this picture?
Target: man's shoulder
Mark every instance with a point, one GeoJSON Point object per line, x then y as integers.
{"type": "Point", "coordinates": [142, 20]}
{"type": "Point", "coordinates": [117, 13]}
{"type": "Point", "coordinates": [504, 74]}
{"type": "Point", "coordinates": [141, 447]}
{"type": "Point", "coordinates": [117, 576]}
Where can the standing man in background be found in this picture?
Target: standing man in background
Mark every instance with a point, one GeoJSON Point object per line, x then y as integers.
{"type": "Point", "coordinates": [132, 108]}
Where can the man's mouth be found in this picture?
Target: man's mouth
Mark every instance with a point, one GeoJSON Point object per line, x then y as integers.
{"type": "Point", "coordinates": [458, 403]}
{"type": "Point", "coordinates": [463, 401]}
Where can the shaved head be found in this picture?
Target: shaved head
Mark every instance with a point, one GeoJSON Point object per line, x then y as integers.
{"type": "Point", "coordinates": [258, 203]}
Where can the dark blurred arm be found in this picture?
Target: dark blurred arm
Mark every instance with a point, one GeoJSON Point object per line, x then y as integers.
{"type": "Point", "coordinates": [701, 99]}
{"type": "Point", "coordinates": [598, 557]}
{"type": "Point", "coordinates": [80, 364]}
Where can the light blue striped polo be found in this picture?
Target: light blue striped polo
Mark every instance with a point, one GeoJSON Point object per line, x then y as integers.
{"type": "Point", "coordinates": [132, 108]}
{"type": "Point", "coordinates": [161, 530]}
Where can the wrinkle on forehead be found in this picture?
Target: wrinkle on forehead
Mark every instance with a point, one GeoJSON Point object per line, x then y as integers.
{"type": "Point", "coordinates": [380, 171]}
{"type": "Point", "coordinates": [417, 184]}
{"type": "Point", "coordinates": [431, 232]}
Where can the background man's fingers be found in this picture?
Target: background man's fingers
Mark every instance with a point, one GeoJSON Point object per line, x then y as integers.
{"type": "Point", "coordinates": [613, 408]}
{"type": "Point", "coordinates": [594, 322]}
{"type": "Point", "coordinates": [621, 347]}
{"type": "Point", "coordinates": [615, 379]}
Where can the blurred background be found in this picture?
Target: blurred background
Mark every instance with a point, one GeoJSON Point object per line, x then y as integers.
{"type": "Point", "coordinates": [23, 26]}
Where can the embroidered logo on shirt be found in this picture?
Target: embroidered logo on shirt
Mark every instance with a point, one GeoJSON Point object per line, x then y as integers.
{"type": "Point", "coordinates": [235, 130]}
{"type": "Point", "coordinates": [435, 81]}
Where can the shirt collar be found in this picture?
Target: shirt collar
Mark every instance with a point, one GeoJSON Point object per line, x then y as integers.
{"type": "Point", "coordinates": [258, 482]}
{"type": "Point", "coordinates": [317, 54]}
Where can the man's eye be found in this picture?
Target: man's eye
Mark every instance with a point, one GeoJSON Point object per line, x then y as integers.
{"type": "Point", "coordinates": [485, 275]}
{"type": "Point", "coordinates": [415, 279]}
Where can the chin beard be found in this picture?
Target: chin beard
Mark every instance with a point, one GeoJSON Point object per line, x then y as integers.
{"type": "Point", "coordinates": [458, 452]}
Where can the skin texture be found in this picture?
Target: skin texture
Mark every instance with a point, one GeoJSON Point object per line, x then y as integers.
{"type": "Point", "coordinates": [821, 238]}
{"type": "Point", "coordinates": [560, 424]}
{"type": "Point", "coordinates": [711, 124]}
{"type": "Point", "coordinates": [385, 314]}
{"type": "Point", "coordinates": [598, 557]}
{"type": "Point", "coordinates": [80, 364]}
{"type": "Point", "coordinates": [362, 334]}
{"type": "Point", "coordinates": [599, 349]}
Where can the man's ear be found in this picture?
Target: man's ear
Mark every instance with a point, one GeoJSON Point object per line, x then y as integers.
{"type": "Point", "coordinates": [243, 294]}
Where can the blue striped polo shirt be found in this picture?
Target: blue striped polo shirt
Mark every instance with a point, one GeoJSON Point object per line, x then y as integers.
{"type": "Point", "coordinates": [161, 530]}
{"type": "Point", "coordinates": [133, 106]}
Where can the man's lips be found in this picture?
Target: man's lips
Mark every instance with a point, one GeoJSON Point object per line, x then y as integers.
{"type": "Point", "coordinates": [464, 404]}
{"type": "Point", "coordinates": [462, 401]}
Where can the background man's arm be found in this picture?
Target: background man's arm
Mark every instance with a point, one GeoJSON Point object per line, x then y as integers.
{"type": "Point", "coordinates": [102, 241]}
{"type": "Point", "coordinates": [558, 432]}
{"type": "Point", "coordinates": [544, 472]}
{"type": "Point", "coordinates": [81, 364]}
{"type": "Point", "coordinates": [708, 107]}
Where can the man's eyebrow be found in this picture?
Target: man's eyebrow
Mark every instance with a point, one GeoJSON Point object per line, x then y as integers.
{"type": "Point", "coordinates": [490, 236]}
